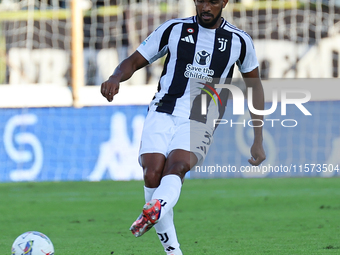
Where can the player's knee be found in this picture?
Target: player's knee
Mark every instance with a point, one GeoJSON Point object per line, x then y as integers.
{"type": "Point", "coordinates": [178, 168]}
{"type": "Point", "coordinates": [152, 177]}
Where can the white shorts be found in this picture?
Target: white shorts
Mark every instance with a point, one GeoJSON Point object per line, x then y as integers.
{"type": "Point", "coordinates": [163, 133]}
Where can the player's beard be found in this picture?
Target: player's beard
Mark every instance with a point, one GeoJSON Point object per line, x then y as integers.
{"type": "Point", "coordinates": [211, 23]}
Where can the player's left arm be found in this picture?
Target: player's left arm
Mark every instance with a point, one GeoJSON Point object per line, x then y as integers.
{"type": "Point", "coordinates": [252, 80]}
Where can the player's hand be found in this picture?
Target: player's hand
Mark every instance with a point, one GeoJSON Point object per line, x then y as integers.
{"type": "Point", "coordinates": [257, 153]}
{"type": "Point", "coordinates": [110, 88]}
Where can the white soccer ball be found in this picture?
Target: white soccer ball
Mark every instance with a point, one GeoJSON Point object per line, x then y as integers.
{"type": "Point", "coordinates": [32, 243]}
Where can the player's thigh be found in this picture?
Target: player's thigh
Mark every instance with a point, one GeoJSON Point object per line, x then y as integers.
{"type": "Point", "coordinates": [156, 136]}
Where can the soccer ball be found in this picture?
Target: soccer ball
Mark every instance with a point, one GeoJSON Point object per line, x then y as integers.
{"type": "Point", "coordinates": [32, 243]}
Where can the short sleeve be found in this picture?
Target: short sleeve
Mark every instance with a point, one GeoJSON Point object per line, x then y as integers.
{"type": "Point", "coordinates": [156, 44]}
{"type": "Point", "coordinates": [247, 61]}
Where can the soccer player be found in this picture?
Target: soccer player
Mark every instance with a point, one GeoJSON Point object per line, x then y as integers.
{"type": "Point", "coordinates": [176, 136]}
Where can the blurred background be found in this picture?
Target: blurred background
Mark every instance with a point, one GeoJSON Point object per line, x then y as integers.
{"type": "Point", "coordinates": [36, 37]}
{"type": "Point", "coordinates": [54, 55]}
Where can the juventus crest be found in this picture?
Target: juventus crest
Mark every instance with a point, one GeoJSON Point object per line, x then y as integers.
{"type": "Point", "coordinates": [223, 44]}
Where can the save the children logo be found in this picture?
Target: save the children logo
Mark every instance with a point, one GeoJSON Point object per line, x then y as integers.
{"type": "Point", "coordinates": [203, 57]}
{"type": "Point", "coordinates": [201, 73]}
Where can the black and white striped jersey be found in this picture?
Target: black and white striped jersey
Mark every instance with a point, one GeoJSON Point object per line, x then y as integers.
{"type": "Point", "coordinates": [197, 58]}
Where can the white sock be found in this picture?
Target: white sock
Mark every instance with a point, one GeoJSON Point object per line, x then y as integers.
{"type": "Point", "coordinates": [166, 232]}
{"type": "Point", "coordinates": [168, 192]}
{"type": "Point", "coordinates": [165, 228]}
{"type": "Point", "coordinates": [148, 192]}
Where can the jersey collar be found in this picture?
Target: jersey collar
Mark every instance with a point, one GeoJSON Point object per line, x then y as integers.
{"type": "Point", "coordinates": [221, 25]}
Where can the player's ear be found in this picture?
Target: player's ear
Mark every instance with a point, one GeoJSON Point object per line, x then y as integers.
{"type": "Point", "coordinates": [225, 3]}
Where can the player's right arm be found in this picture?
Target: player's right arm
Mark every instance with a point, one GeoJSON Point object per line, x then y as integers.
{"type": "Point", "coordinates": [122, 72]}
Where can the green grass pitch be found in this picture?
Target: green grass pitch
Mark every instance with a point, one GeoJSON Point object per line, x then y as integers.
{"type": "Point", "coordinates": [213, 216]}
